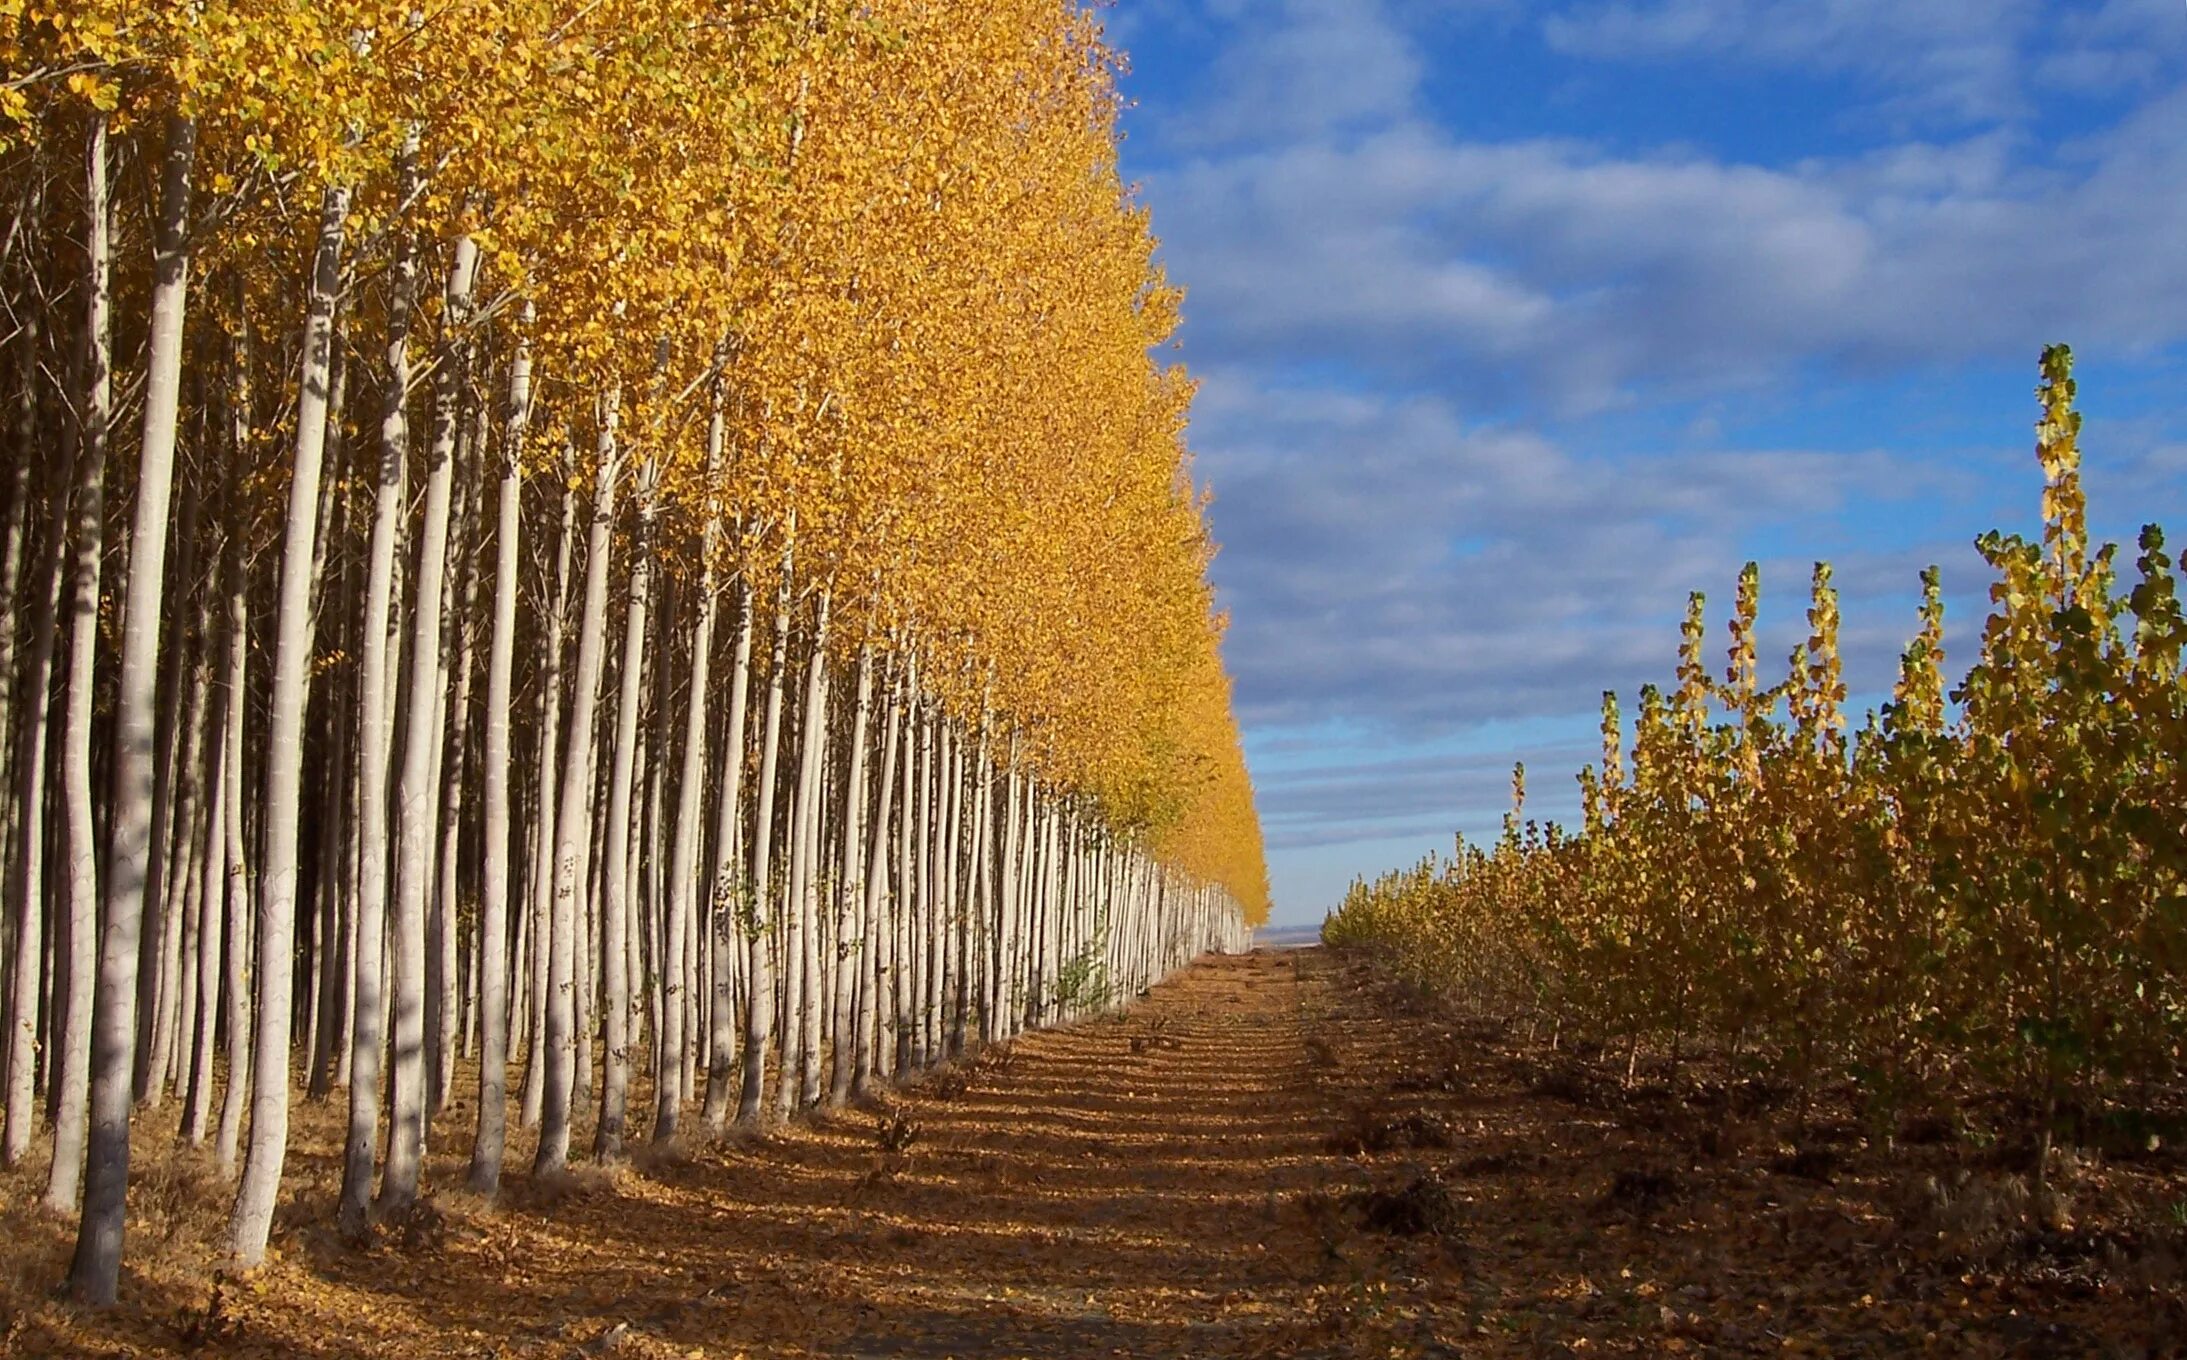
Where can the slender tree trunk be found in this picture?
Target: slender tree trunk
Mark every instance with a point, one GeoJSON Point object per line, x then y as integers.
{"type": "Point", "coordinates": [71, 1106]}
{"type": "Point", "coordinates": [95, 1272]}
{"type": "Point", "coordinates": [760, 1018]}
{"type": "Point", "coordinates": [212, 909]}
{"type": "Point", "coordinates": [573, 821]}
{"type": "Point", "coordinates": [801, 1043]}
{"type": "Point", "coordinates": [550, 712]}
{"type": "Point", "coordinates": [879, 944]}
{"type": "Point", "coordinates": [1009, 945]}
{"type": "Point", "coordinates": [285, 752]}
{"type": "Point", "coordinates": [417, 790]}
{"type": "Point", "coordinates": [367, 1036]}
{"type": "Point", "coordinates": [235, 1010]}
{"type": "Point", "coordinates": [318, 909]}
{"type": "Point", "coordinates": [30, 776]}
{"type": "Point", "coordinates": [189, 741]}
{"type": "Point", "coordinates": [337, 1013]}
{"type": "Point", "coordinates": [850, 946]}
{"type": "Point", "coordinates": [727, 892]}
{"type": "Point", "coordinates": [676, 997]}
{"type": "Point", "coordinates": [923, 953]}
{"type": "Point", "coordinates": [22, 472]}
{"type": "Point", "coordinates": [494, 882]}
{"type": "Point", "coordinates": [615, 906]}
{"type": "Point", "coordinates": [190, 866]}
{"type": "Point", "coordinates": [443, 966]}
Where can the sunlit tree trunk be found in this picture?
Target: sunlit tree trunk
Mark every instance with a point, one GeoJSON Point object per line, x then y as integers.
{"type": "Point", "coordinates": [615, 905]}
{"type": "Point", "coordinates": [95, 1271]}
{"type": "Point", "coordinates": [878, 946]}
{"type": "Point", "coordinates": [727, 884]}
{"type": "Point", "coordinates": [367, 1035]}
{"type": "Point", "coordinates": [496, 868]}
{"type": "Point", "coordinates": [541, 910]}
{"type": "Point", "coordinates": [676, 981]}
{"type": "Point", "coordinates": [759, 975]}
{"type": "Point", "coordinates": [573, 824]}
{"type": "Point", "coordinates": [285, 754]}
{"type": "Point", "coordinates": [417, 789]}
{"type": "Point", "coordinates": [444, 1028]}
{"type": "Point", "coordinates": [800, 1051]}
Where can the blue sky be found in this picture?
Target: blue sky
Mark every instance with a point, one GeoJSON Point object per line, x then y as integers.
{"type": "Point", "coordinates": [1517, 321]}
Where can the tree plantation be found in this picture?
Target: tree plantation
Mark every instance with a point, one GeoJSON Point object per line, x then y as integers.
{"type": "Point", "coordinates": [638, 553]}
{"type": "Point", "coordinates": [1978, 890]}
{"type": "Point", "coordinates": [617, 726]}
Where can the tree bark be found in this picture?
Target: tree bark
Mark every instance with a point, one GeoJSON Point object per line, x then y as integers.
{"type": "Point", "coordinates": [676, 998]}
{"type": "Point", "coordinates": [550, 712]}
{"type": "Point", "coordinates": [31, 933]}
{"type": "Point", "coordinates": [573, 820]}
{"type": "Point", "coordinates": [212, 907]}
{"type": "Point", "coordinates": [879, 944]}
{"type": "Point", "coordinates": [417, 790]}
{"type": "Point", "coordinates": [726, 891]}
{"type": "Point", "coordinates": [615, 905]}
{"type": "Point", "coordinates": [373, 709]}
{"type": "Point", "coordinates": [850, 948]}
{"type": "Point", "coordinates": [292, 653]}
{"type": "Point", "coordinates": [235, 954]}
{"type": "Point", "coordinates": [759, 1020]}
{"type": "Point", "coordinates": [73, 1091]}
{"type": "Point", "coordinates": [800, 1048]}
{"type": "Point", "coordinates": [494, 881]}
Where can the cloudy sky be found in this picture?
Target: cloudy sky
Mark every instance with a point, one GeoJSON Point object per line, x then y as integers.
{"type": "Point", "coordinates": [1519, 319]}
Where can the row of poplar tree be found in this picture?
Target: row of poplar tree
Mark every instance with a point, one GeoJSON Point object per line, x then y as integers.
{"type": "Point", "coordinates": [626, 543]}
{"type": "Point", "coordinates": [1978, 887]}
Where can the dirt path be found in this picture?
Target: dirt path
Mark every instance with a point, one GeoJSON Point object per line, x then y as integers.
{"type": "Point", "coordinates": [1125, 1187]}
{"type": "Point", "coordinates": [1269, 1156]}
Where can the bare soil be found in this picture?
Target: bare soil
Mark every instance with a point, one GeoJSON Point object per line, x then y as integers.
{"type": "Point", "coordinates": [1269, 1155]}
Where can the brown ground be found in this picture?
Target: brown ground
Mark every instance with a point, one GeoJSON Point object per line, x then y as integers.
{"type": "Point", "coordinates": [1266, 1157]}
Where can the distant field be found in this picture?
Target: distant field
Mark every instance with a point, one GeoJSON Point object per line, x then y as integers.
{"type": "Point", "coordinates": [1287, 937]}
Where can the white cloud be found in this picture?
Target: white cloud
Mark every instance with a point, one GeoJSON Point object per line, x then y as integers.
{"type": "Point", "coordinates": [1564, 272]}
{"type": "Point", "coordinates": [2116, 46]}
{"type": "Point", "coordinates": [1387, 563]}
{"type": "Point", "coordinates": [1923, 59]}
{"type": "Point", "coordinates": [1316, 67]}
{"type": "Point", "coordinates": [1934, 56]}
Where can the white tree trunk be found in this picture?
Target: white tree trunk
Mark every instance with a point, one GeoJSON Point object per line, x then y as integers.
{"type": "Point", "coordinates": [235, 952]}
{"type": "Point", "coordinates": [615, 905]}
{"type": "Point", "coordinates": [760, 1016]}
{"type": "Point", "coordinates": [573, 821]}
{"type": "Point", "coordinates": [879, 943]}
{"type": "Point", "coordinates": [539, 916]}
{"type": "Point", "coordinates": [851, 948]}
{"type": "Point", "coordinates": [71, 1105]}
{"type": "Point", "coordinates": [285, 754]}
{"type": "Point", "coordinates": [374, 707]}
{"type": "Point", "coordinates": [30, 906]}
{"type": "Point", "coordinates": [417, 790]}
{"type": "Point", "coordinates": [495, 870]}
{"type": "Point", "coordinates": [727, 885]}
{"type": "Point", "coordinates": [676, 979]}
